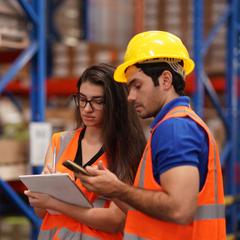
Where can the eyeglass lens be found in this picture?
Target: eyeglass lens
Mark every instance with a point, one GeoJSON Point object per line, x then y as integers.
{"type": "Point", "coordinates": [96, 103]}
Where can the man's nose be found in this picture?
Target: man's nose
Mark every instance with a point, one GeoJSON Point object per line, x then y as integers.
{"type": "Point", "coordinates": [131, 95]}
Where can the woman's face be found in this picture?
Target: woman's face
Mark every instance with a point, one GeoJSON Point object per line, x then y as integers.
{"type": "Point", "coordinates": [91, 104]}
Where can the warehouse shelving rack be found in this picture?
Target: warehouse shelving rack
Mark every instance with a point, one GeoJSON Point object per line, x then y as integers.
{"type": "Point", "coordinates": [200, 84]}
{"type": "Point", "coordinates": [230, 114]}
{"type": "Point", "coordinates": [36, 54]}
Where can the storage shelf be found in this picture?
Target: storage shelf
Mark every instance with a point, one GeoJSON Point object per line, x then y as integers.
{"type": "Point", "coordinates": [217, 82]}
{"type": "Point", "coordinates": [54, 86]}
{"type": "Point", "coordinates": [8, 55]}
{"type": "Point", "coordinates": [66, 86]}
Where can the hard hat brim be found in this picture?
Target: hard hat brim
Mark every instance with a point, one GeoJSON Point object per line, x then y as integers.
{"type": "Point", "coordinates": [119, 74]}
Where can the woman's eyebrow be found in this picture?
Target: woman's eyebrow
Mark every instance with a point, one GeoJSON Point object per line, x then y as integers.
{"type": "Point", "coordinates": [83, 95]}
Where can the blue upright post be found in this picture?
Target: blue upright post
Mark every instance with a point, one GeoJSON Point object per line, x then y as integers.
{"type": "Point", "coordinates": [229, 116]}
{"type": "Point", "coordinates": [35, 11]}
{"type": "Point", "coordinates": [38, 68]}
{"type": "Point", "coordinates": [232, 108]}
{"type": "Point", "coordinates": [85, 22]}
{"type": "Point", "coordinates": [38, 65]}
{"type": "Point", "coordinates": [198, 97]}
{"type": "Point", "coordinates": [52, 32]}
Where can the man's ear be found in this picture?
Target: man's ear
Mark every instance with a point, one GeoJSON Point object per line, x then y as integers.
{"type": "Point", "coordinates": [166, 78]}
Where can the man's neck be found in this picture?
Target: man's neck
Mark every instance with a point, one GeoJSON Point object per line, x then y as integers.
{"type": "Point", "coordinates": [169, 98]}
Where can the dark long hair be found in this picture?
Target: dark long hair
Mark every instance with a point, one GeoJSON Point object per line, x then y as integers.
{"type": "Point", "coordinates": [123, 137]}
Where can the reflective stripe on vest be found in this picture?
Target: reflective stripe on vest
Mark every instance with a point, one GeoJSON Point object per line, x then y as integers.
{"type": "Point", "coordinates": [65, 138]}
{"type": "Point", "coordinates": [142, 170]}
{"type": "Point", "coordinates": [212, 211]}
{"type": "Point", "coordinates": [64, 141]}
{"type": "Point", "coordinates": [66, 234]}
{"type": "Point", "coordinates": [46, 234]}
{"type": "Point", "coordinates": [128, 236]}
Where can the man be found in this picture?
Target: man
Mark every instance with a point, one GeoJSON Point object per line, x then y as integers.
{"type": "Point", "coordinates": [178, 190]}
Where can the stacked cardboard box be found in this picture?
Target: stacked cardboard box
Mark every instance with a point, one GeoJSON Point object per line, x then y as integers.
{"type": "Point", "coordinates": [176, 16]}
{"type": "Point", "coordinates": [110, 22]}
{"type": "Point", "coordinates": [67, 20]}
{"type": "Point", "coordinates": [13, 159]}
{"type": "Point", "coordinates": [13, 26]}
{"type": "Point", "coordinates": [13, 142]}
{"type": "Point", "coordinates": [61, 118]}
{"type": "Point", "coordinates": [71, 61]}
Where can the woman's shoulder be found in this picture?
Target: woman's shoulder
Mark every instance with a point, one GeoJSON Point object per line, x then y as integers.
{"type": "Point", "coordinates": [66, 134]}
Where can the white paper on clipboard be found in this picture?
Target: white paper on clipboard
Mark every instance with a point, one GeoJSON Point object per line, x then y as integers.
{"type": "Point", "coordinates": [57, 185]}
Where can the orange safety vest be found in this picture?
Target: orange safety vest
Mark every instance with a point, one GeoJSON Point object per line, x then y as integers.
{"type": "Point", "coordinates": [62, 227]}
{"type": "Point", "coordinates": [209, 220]}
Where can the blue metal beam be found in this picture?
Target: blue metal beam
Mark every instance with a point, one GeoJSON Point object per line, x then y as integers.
{"type": "Point", "coordinates": [20, 203]}
{"type": "Point", "coordinates": [53, 34]}
{"type": "Point", "coordinates": [232, 112]}
{"type": "Point", "coordinates": [35, 12]}
{"type": "Point", "coordinates": [18, 65]}
{"type": "Point", "coordinates": [29, 11]}
{"type": "Point", "coordinates": [216, 28]}
{"type": "Point", "coordinates": [38, 95]}
{"type": "Point", "coordinates": [230, 117]}
{"type": "Point", "coordinates": [225, 154]}
{"type": "Point", "coordinates": [198, 97]}
{"type": "Point", "coordinates": [85, 22]}
{"type": "Point", "coordinates": [215, 100]}
{"type": "Point", "coordinates": [52, 7]}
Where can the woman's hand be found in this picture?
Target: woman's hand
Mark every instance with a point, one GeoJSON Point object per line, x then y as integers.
{"type": "Point", "coordinates": [48, 169]}
{"type": "Point", "coordinates": [40, 200]}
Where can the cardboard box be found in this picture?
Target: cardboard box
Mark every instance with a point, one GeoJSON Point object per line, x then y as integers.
{"type": "Point", "coordinates": [61, 118]}
{"type": "Point", "coordinates": [13, 152]}
{"type": "Point", "coordinates": [12, 171]}
{"type": "Point", "coordinates": [175, 18]}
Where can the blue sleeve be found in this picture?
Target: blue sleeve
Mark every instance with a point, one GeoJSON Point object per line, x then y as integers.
{"type": "Point", "coordinates": [178, 142]}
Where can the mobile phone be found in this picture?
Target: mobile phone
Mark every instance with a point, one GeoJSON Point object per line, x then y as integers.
{"type": "Point", "coordinates": [75, 167]}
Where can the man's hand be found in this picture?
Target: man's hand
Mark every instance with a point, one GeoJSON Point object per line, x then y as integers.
{"type": "Point", "coordinates": [101, 181]}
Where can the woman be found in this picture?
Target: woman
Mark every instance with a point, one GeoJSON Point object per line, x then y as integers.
{"type": "Point", "coordinates": [108, 132]}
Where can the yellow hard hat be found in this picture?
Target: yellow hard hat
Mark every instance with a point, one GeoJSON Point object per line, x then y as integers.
{"type": "Point", "coordinates": [153, 45]}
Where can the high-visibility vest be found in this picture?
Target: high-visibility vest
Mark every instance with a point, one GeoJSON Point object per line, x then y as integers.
{"type": "Point", "coordinates": [209, 219]}
{"type": "Point", "coordinates": [62, 227]}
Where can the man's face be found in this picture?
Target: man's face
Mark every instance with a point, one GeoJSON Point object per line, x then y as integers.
{"type": "Point", "coordinates": [145, 97]}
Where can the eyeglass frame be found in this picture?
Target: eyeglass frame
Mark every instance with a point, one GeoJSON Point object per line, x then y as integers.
{"type": "Point", "coordinates": [92, 102]}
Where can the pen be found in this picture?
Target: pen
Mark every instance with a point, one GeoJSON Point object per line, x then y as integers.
{"type": "Point", "coordinates": [54, 160]}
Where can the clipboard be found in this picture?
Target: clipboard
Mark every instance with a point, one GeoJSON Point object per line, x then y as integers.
{"type": "Point", "coordinates": [57, 185]}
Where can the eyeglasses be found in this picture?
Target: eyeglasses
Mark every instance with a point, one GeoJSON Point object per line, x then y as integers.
{"type": "Point", "coordinates": [96, 103]}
